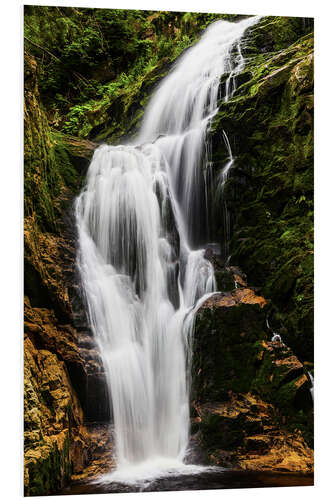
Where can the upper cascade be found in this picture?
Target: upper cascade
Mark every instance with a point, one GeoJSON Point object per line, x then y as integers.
{"type": "Point", "coordinates": [179, 114]}
{"type": "Point", "coordinates": [187, 98]}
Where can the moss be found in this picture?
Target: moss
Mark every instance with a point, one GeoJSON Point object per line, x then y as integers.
{"type": "Point", "coordinates": [230, 357]}
{"type": "Point", "coordinates": [275, 33]}
{"type": "Point", "coordinates": [270, 191]}
{"type": "Point", "coordinates": [225, 350]}
{"type": "Point", "coordinates": [47, 475]}
{"type": "Point", "coordinates": [228, 433]}
{"type": "Point", "coordinates": [41, 179]}
{"type": "Point", "coordinates": [224, 280]}
{"type": "Point", "coordinates": [50, 161]}
{"type": "Point", "coordinates": [63, 163]}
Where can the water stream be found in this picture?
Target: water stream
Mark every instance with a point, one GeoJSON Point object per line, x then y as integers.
{"type": "Point", "coordinates": [142, 229]}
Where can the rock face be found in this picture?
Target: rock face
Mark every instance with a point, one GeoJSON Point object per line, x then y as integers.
{"type": "Point", "coordinates": [55, 439]}
{"type": "Point", "coordinates": [58, 443]}
{"type": "Point", "coordinates": [243, 433]}
{"type": "Point", "coordinates": [59, 322]}
{"type": "Point", "coordinates": [62, 365]}
{"type": "Point", "coordinates": [251, 397]}
{"type": "Point", "coordinates": [269, 193]}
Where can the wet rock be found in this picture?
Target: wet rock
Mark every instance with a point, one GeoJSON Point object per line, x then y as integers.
{"type": "Point", "coordinates": [227, 277]}
{"type": "Point", "coordinates": [281, 377]}
{"type": "Point", "coordinates": [279, 451]}
{"type": "Point", "coordinates": [246, 389]}
{"type": "Point", "coordinates": [227, 327]}
{"type": "Point", "coordinates": [53, 427]}
{"type": "Point", "coordinates": [243, 433]}
{"type": "Point", "coordinates": [101, 455]}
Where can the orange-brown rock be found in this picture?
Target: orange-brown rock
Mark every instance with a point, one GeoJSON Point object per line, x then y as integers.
{"type": "Point", "coordinates": [42, 324]}
{"type": "Point", "coordinates": [54, 434]}
{"type": "Point", "coordinates": [239, 280]}
{"type": "Point", "coordinates": [50, 262]}
{"type": "Point", "coordinates": [284, 452]}
{"type": "Point", "coordinates": [244, 432]}
{"type": "Point", "coordinates": [101, 452]}
{"type": "Point", "coordinates": [234, 298]}
{"type": "Point", "coordinates": [57, 441]}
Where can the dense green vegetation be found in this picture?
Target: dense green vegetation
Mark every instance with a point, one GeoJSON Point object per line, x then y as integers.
{"type": "Point", "coordinates": [96, 66]}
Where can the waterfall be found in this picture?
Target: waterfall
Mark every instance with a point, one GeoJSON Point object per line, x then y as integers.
{"type": "Point", "coordinates": [141, 220]}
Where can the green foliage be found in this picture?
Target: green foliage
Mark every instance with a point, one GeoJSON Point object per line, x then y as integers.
{"type": "Point", "coordinates": [94, 73]}
{"type": "Point", "coordinates": [47, 165]}
{"type": "Point", "coordinates": [88, 58]}
{"type": "Point", "coordinates": [94, 63]}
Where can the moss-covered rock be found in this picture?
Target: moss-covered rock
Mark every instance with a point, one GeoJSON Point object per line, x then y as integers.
{"type": "Point", "coordinates": [59, 372]}
{"type": "Point", "coordinates": [232, 357]}
{"type": "Point", "coordinates": [269, 195]}
{"type": "Point", "coordinates": [227, 329]}
{"type": "Point", "coordinates": [50, 176]}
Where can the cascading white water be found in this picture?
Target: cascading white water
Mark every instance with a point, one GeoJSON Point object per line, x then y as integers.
{"type": "Point", "coordinates": [141, 219]}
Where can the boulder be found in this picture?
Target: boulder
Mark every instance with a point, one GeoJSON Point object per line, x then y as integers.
{"type": "Point", "coordinates": [251, 399]}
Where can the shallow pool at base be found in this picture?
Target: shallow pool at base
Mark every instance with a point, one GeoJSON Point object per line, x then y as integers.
{"type": "Point", "coordinates": [208, 479]}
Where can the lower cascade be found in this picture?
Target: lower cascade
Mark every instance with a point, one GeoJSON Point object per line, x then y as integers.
{"type": "Point", "coordinates": [142, 226]}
